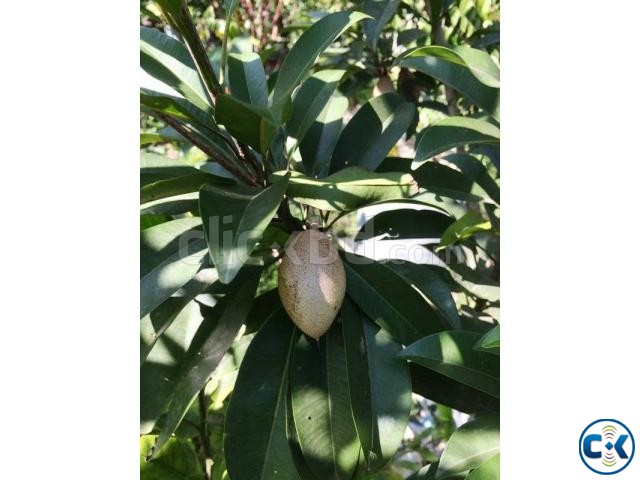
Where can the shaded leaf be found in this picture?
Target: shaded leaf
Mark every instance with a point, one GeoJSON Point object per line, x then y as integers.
{"type": "Point", "coordinates": [389, 300]}
{"type": "Point", "coordinates": [382, 11]}
{"type": "Point", "coordinates": [463, 228]}
{"type": "Point", "coordinates": [349, 188]}
{"type": "Point", "coordinates": [234, 222]}
{"type": "Point", "coordinates": [427, 279]}
{"type": "Point", "coordinates": [479, 62]}
{"type": "Point", "coordinates": [318, 144]}
{"type": "Point", "coordinates": [310, 101]}
{"type": "Point", "coordinates": [452, 354]}
{"type": "Point", "coordinates": [250, 124]}
{"type": "Point", "coordinates": [247, 80]}
{"type": "Point", "coordinates": [304, 52]}
{"type": "Point", "coordinates": [459, 78]}
{"type": "Point", "coordinates": [379, 384]}
{"type": "Point", "coordinates": [167, 60]}
{"type": "Point", "coordinates": [170, 255]}
{"type": "Point", "coordinates": [177, 186]}
{"type": "Point", "coordinates": [321, 407]}
{"type": "Point", "coordinates": [255, 445]}
{"type": "Point", "coordinates": [372, 132]}
{"type": "Point", "coordinates": [219, 328]}
{"type": "Point", "coordinates": [452, 132]}
{"type": "Point", "coordinates": [178, 461]}
{"type": "Point", "coordinates": [406, 223]}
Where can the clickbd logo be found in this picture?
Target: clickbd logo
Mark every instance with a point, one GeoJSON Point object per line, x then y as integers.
{"type": "Point", "coordinates": [607, 446]}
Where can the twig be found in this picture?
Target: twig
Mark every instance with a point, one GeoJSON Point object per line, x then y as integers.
{"type": "Point", "coordinates": [185, 132]}
{"type": "Point", "coordinates": [204, 436]}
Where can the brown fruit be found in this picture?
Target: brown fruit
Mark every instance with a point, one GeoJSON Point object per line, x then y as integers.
{"type": "Point", "coordinates": [311, 282]}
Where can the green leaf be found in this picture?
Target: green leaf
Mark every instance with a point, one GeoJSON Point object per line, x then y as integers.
{"type": "Point", "coordinates": [173, 106]}
{"type": "Point", "coordinates": [247, 80]}
{"type": "Point", "coordinates": [379, 384]}
{"type": "Point", "coordinates": [470, 446]}
{"type": "Point", "coordinates": [490, 341]}
{"type": "Point", "coordinates": [154, 324]}
{"type": "Point", "coordinates": [321, 408]}
{"type": "Point", "coordinates": [372, 132]}
{"type": "Point", "coordinates": [453, 132]}
{"type": "Point", "coordinates": [255, 445]}
{"type": "Point", "coordinates": [177, 186]}
{"type": "Point", "coordinates": [318, 144]}
{"type": "Point", "coordinates": [214, 337]}
{"type": "Point", "coordinates": [479, 62]}
{"type": "Point", "coordinates": [147, 138]}
{"type": "Point", "coordinates": [250, 124]}
{"type": "Point", "coordinates": [426, 279]}
{"type": "Point", "coordinates": [489, 470]}
{"type": "Point", "coordinates": [452, 354]}
{"type": "Point", "coordinates": [348, 189]}
{"type": "Point", "coordinates": [263, 306]}
{"type": "Point", "coordinates": [389, 300]}
{"type": "Point", "coordinates": [161, 367]}
{"type": "Point", "coordinates": [167, 60]}
{"type": "Point", "coordinates": [446, 391]}
{"type": "Point", "coordinates": [474, 170]}
{"type": "Point", "coordinates": [234, 222]}
{"type": "Point", "coordinates": [178, 461]}
{"type": "Point", "coordinates": [310, 101]}
{"type": "Point", "coordinates": [465, 227]}
{"type": "Point", "coordinates": [170, 255]}
{"type": "Point", "coordinates": [304, 52]}
{"type": "Point", "coordinates": [406, 223]}
{"type": "Point", "coordinates": [178, 16]}
{"type": "Point", "coordinates": [459, 78]}
{"type": "Point", "coordinates": [382, 11]}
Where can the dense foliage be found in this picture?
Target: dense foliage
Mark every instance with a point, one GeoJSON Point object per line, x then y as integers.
{"type": "Point", "coordinates": [379, 121]}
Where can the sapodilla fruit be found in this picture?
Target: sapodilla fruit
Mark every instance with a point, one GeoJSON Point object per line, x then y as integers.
{"type": "Point", "coordinates": [311, 282]}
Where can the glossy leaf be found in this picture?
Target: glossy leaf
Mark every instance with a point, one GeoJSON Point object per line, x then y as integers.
{"type": "Point", "coordinates": [177, 15]}
{"type": "Point", "coordinates": [372, 132]}
{"type": "Point", "coordinates": [489, 470]}
{"type": "Point", "coordinates": [155, 323]}
{"type": "Point", "coordinates": [446, 391]}
{"type": "Point", "coordinates": [177, 186]}
{"type": "Point", "coordinates": [178, 461]}
{"type": "Point", "coordinates": [247, 80]}
{"type": "Point", "coordinates": [310, 101]}
{"type": "Point", "coordinates": [173, 106]}
{"type": "Point", "coordinates": [389, 300]}
{"type": "Point", "coordinates": [304, 52]}
{"type": "Point", "coordinates": [459, 78]}
{"type": "Point", "coordinates": [463, 228]}
{"type": "Point", "coordinates": [474, 170]}
{"type": "Point", "coordinates": [453, 132]}
{"type": "Point", "coordinates": [170, 255]}
{"type": "Point", "coordinates": [255, 444]}
{"type": "Point", "coordinates": [490, 341]}
{"type": "Point", "coordinates": [167, 60]}
{"type": "Point", "coordinates": [382, 11]}
{"type": "Point", "coordinates": [426, 279]}
{"type": "Point", "coordinates": [234, 222]}
{"type": "Point", "coordinates": [321, 407]}
{"type": "Point", "coordinates": [470, 446]}
{"type": "Point", "coordinates": [406, 223]}
{"type": "Point", "coordinates": [250, 124]}
{"type": "Point", "coordinates": [160, 370]}
{"type": "Point", "coordinates": [452, 354]}
{"type": "Point", "coordinates": [320, 140]}
{"type": "Point", "coordinates": [479, 62]}
{"type": "Point", "coordinates": [214, 337]}
{"type": "Point", "coordinates": [349, 188]}
{"type": "Point", "coordinates": [379, 384]}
